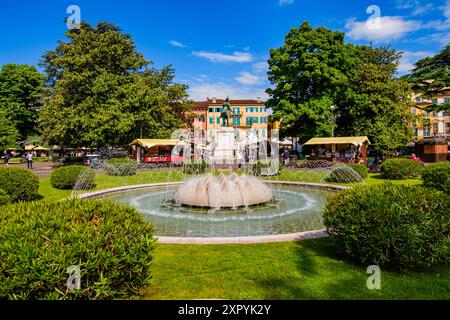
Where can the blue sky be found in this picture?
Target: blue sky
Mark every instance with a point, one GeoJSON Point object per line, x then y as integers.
{"type": "Point", "coordinates": [220, 47]}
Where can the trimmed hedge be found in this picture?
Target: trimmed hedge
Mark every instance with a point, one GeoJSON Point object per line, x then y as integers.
{"type": "Point", "coordinates": [67, 177]}
{"type": "Point", "coordinates": [314, 164]}
{"type": "Point", "coordinates": [195, 167]}
{"type": "Point", "coordinates": [344, 174]}
{"type": "Point", "coordinates": [437, 175]}
{"type": "Point", "coordinates": [19, 184]}
{"type": "Point", "coordinates": [121, 167]}
{"type": "Point", "coordinates": [400, 169]}
{"type": "Point", "coordinates": [4, 198]}
{"type": "Point", "coordinates": [111, 244]}
{"type": "Point", "coordinates": [360, 168]}
{"type": "Point", "coordinates": [399, 226]}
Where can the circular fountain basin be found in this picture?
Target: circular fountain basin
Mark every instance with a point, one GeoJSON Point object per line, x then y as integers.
{"type": "Point", "coordinates": [294, 210]}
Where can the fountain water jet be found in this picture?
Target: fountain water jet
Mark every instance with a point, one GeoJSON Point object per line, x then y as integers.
{"type": "Point", "coordinates": [230, 191]}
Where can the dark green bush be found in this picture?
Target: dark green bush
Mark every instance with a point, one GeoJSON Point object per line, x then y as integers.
{"type": "Point", "coordinates": [68, 177]}
{"type": "Point", "coordinates": [399, 169]}
{"type": "Point", "coordinates": [112, 245]}
{"type": "Point", "coordinates": [360, 168]}
{"type": "Point", "coordinates": [4, 198]}
{"type": "Point", "coordinates": [70, 161]}
{"type": "Point", "coordinates": [19, 184]}
{"type": "Point", "coordinates": [399, 226]}
{"type": "Point", "coordinates": [121, 167]}
{"type": "Point", "coordinates": [344, 174]}
{"type": "Point", "coordinates": [195, 167]}
{"type": "Point", "coordinates": [437, 175]}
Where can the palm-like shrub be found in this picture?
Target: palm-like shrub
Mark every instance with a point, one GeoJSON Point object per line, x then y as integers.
{"type": "Point", "coordinates": [344, 174]}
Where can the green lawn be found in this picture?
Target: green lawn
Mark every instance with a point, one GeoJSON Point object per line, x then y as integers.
{"type": "Point", "coordinates": [292, 270]}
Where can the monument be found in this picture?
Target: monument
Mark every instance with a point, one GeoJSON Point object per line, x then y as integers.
{"type": "Point", "coordinates": [224, 153]}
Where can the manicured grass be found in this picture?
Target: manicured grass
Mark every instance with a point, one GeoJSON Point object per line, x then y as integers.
{"type": "Point", "coordinates": [292, 270]}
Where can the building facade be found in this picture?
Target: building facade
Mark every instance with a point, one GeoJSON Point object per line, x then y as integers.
{"type": "Point", "coordinates": [432, 124]}
{"type": "Point", "coordinates": [247, 114]}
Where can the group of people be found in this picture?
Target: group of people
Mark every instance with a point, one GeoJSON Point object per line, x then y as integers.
{"type": "Point", "coordinates": [28, 157]}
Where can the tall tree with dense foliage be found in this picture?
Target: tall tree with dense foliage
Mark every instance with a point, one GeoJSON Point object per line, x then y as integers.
{"type": "Point", "coordinates": [103, 92]}
{"type": "Point", "coordinates": [308, 72]}
{"type": "Point", "coordinates": [8, 132]}
{"type": "Point", "coordinates": [375, 102]}
{"type": "Point", "coordinates": [20, 96]}
{"type": "Point", "coordinates": [315, 70]}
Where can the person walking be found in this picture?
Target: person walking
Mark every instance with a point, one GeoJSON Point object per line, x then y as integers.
{"type": "Point", "coordinates": [6, 159]}
{"type": "Point", "coordinates": [30, 160]}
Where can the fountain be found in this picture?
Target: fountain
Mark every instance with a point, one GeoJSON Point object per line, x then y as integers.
{"type": "Point", "coordinates": [231, 191]}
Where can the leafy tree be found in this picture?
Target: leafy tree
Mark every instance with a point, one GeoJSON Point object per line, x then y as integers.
{"type": "Point", "coordinates": [430, 75]}
{"type": "Point", "coordinates": [20, 96]}
{"type": "Point", "coordinates": [105, 93]}
{"type": "Point", "coordinates": [8, 132]}
{"type": "Point", "coordinates": [375, 102]}
{"type": "Point", "coordinates": [315, 70]}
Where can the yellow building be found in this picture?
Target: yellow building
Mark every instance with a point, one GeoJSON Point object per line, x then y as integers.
{"type": "Point", "coordinates": [432, 124]}
{"type": "Point", "coordinates": [247, 114]}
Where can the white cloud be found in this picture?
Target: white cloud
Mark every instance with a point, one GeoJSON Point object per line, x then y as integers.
{"type": "Point", "coordinates": [248, 78]}
{"type": "Point", "coordinates": [218, 57]}
{"type": "Point", "coordinates": [390, 28]}
{"type": "Point", "coordinates": [422, 9]}
{"type": "Point", "coordinates": [177, 44]}
{"type": "Point", "coordinates": [446, 9]}
{"type": "Point", "coordinates": [409, 58]}
{"type": "Point", "coordinates": [443, 38]}
{"type": "Point", "coordinates": [285, 2]}
{"type": "Point", "coordinates": [261, 67]}
{"type": "Point", "coordinates": [199, 91]}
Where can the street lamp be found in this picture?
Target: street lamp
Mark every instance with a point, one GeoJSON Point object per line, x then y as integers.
{"type": "Point", "coordinates": [332, 108]}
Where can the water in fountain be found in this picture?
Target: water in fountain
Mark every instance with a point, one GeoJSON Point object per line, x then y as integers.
{"type": "Point", "coordinates": [230, 191]}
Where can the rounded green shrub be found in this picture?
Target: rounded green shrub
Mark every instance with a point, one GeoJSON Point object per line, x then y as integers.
{"type": "Point", "coordinates": [399, 226]}
{"type": "Point", "coordinates": [344, 174]}
{"type": "Point", "coordinates": [437, 175]}
{"type": "Point", "coordinates": [68, 177]}
{"type": "Point", "coordinates": [360, 168]}
{"type": "Point", "coordinates": [111, 244]}
{"type": "Point", "coordinates": [400, 169]}
{"type": "Point", "coordinates": [4, 197]}
{"type": "Point", "coordinates": [121, 167]}
{"type": "Point", "coordinates": [19, 184]}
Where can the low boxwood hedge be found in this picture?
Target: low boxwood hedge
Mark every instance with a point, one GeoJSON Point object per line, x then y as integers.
{"type": "Point", "coordinates": [344, 174]}
{"type": "Point", "coordinates": [400, 226]}
{"type": "Point", "coordinates": [437, 175]}
{"type": "Point", "coordinates": [111, 244]}
{"type": "Point", "coordinates": [400, 169]}
{"type": "Point", "coordinates": [68, 177]}
{"type": "Point", "coordinates": [19, 184]}
{"type": "Point", "coordinates": [121, 167]}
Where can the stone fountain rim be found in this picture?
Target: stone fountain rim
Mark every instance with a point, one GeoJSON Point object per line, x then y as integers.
{"type": "Point", "coordinates": [314, 234]}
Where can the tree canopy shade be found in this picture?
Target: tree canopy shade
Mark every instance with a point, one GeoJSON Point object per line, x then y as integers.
{"type": "Point", "coordinates": [105, 93]}
{"type": "Point", "coordinates": [315, 69]}
{"type": "Point", "coordinates": [20, 96]}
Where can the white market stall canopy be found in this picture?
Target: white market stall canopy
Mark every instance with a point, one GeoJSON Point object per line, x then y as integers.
{"type": "Point", "coordinates": [356, 141]}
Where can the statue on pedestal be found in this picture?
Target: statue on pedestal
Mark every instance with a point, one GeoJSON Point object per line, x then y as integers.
{"type": "Point", "coordinates": [226, 113]}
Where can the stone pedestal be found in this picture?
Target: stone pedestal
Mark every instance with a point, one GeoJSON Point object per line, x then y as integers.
{"type": "Point", "coordinates": [224, 153]}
